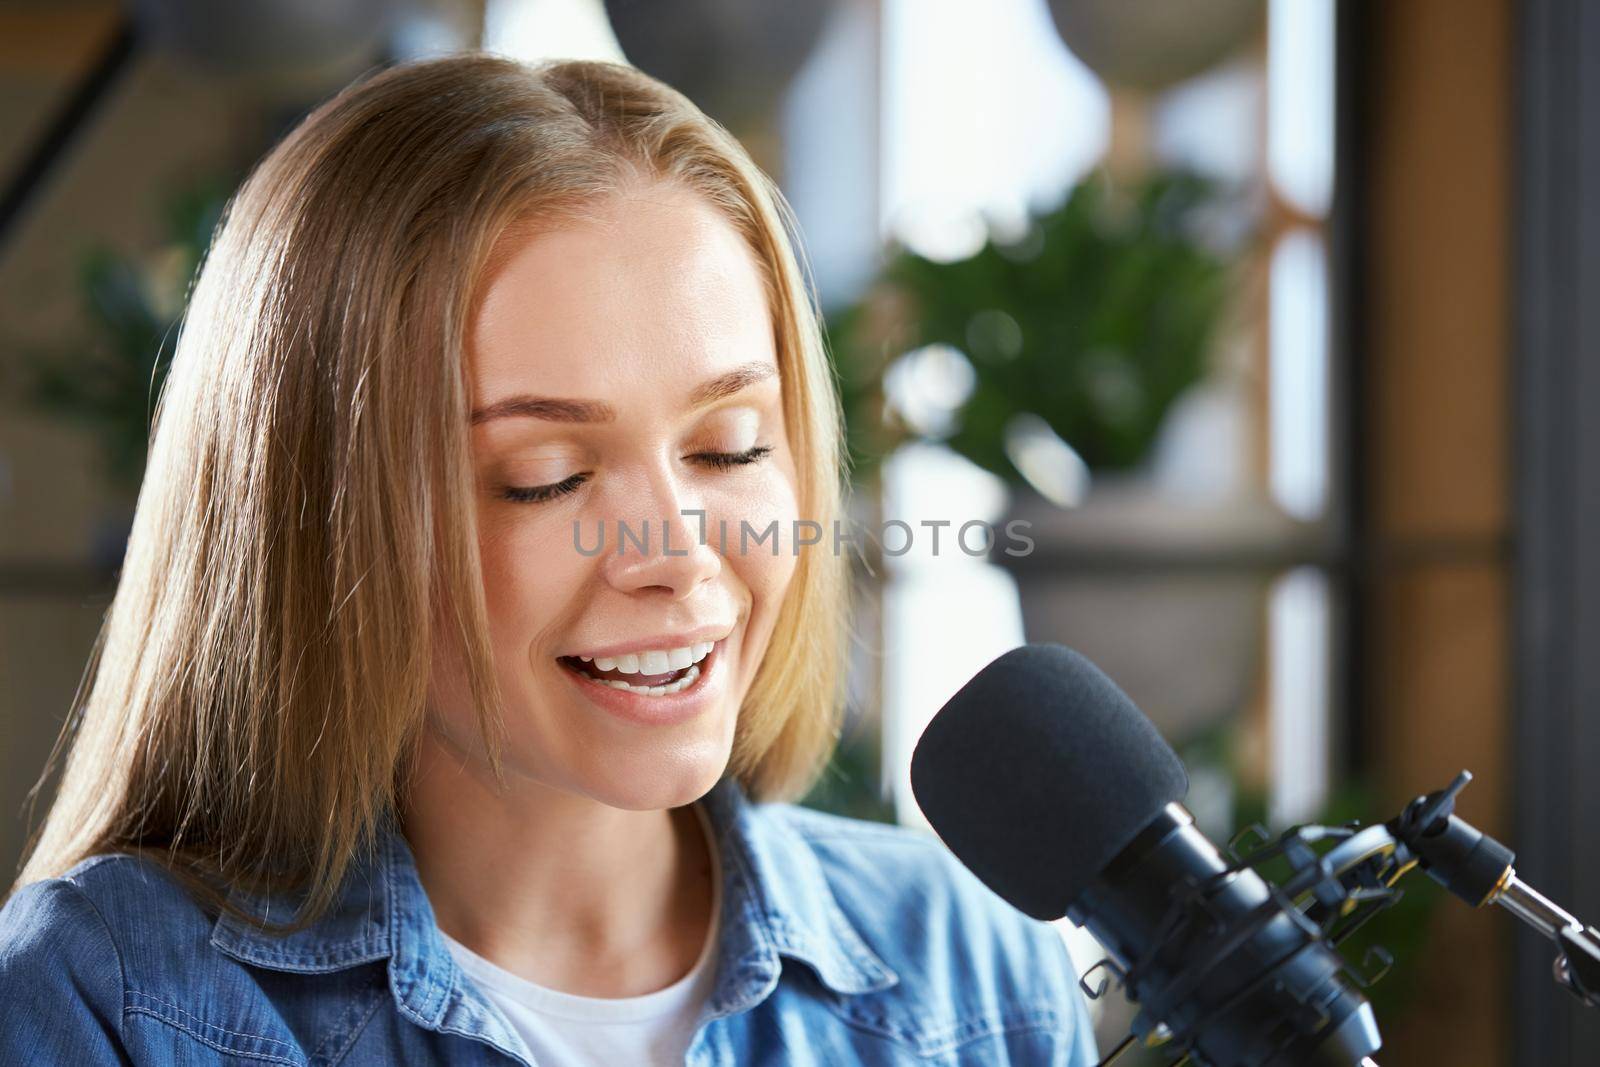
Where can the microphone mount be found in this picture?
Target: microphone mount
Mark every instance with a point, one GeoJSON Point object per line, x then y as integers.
{"type": "Point", "coordinates": [1340, 878]}
{"type": "Point", "coordinates": [1327, 896]}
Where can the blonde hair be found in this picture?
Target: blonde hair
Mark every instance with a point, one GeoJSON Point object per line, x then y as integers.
{"type": "Point", "coordinates": [307, 514]}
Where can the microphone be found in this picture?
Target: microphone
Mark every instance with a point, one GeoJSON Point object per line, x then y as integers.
{"type": "Point", "coordinates": [1045, 780]}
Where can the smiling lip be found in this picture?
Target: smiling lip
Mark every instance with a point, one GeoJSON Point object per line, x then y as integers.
{"type": "Point", "coordinates": [662, 642]}
{"type": "Point", "coordinates": [666, 710]}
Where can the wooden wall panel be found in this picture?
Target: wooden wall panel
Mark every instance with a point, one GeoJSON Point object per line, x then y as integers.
{"type": "Point", "coordinates": [1438, 426]}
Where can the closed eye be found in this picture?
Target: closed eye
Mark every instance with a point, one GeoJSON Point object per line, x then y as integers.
{"type": "Point", "coordinates": [733, 459]}
{"type": "Point", "coordinates": [539, 493]}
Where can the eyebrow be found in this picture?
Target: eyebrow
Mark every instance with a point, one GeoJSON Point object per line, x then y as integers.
{"type": "Point", "coordinates": [741, 377]}
{"type": "Point", "coordinates": [559, 409]}
{"type": "Point", "coordinates": [551, 409]}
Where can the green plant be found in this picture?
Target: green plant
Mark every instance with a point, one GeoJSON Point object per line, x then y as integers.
{"type": "Point", "coordinates": [1096, 321]}
{"type": "Point", "coordinates": [134, 307]}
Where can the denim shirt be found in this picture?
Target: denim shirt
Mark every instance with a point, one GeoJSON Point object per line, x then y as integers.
{"type": "Point", "coordinates": [843, 942]}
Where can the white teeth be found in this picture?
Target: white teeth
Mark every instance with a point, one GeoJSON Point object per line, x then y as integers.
{"type": "Point", "coordinates": [655, 661]}
{"type": "Point", "coordinates": [655, 690]}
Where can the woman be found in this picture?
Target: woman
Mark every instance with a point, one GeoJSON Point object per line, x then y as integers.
{"type": "Point", "coordinates": [465, 661]}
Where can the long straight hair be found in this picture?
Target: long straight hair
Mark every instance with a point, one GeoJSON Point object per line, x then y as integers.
{"type": "Point", "coordinates": [306, 526]}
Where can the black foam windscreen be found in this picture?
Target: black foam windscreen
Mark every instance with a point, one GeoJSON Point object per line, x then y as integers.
{"type": "Point", "coordinates": [1038, 772]}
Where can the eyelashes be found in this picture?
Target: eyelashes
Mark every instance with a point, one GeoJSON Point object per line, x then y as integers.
{"type": "Point", "coordinates": [723, 460]}
{"type": "Point", "coordinates": [717, 460]}
{"type": "Point", "coordinates": [540, 493]}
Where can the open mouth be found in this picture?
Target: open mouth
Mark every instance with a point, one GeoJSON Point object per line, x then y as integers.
{"type": "Point", "coordinates": [647, 673]}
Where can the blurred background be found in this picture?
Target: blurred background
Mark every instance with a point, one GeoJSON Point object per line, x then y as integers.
{"type": "Point", "coordinates": [1268, 319]}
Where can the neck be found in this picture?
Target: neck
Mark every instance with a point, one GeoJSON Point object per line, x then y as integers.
{"type": "Point", "coordinates": [556, 887]}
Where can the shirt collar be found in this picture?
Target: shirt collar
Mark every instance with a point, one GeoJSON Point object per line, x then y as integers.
{"type": "Point", "coordinates": [776, 903]}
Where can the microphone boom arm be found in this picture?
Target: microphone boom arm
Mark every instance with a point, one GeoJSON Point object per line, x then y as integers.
{"type": "Point", "coordinates": [1479, 870]}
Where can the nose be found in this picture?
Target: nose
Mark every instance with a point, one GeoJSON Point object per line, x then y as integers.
{"type": "Point", "coordinates": [661, 550]}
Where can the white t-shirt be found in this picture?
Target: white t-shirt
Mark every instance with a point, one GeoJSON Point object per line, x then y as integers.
{"type": "Point", "coordinates": [566, 1030]}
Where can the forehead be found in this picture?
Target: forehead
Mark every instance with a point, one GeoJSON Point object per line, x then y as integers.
{"type": "Point", "coordinates": [654, 287]}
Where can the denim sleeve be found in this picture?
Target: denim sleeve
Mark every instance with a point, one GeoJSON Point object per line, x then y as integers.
{"type": "Point", "coordinates": [1078, 1047]}
{"type": "Point", "coordinates": [60, 980]}
{"type": "Point", "coordinates": [1085, 1052]}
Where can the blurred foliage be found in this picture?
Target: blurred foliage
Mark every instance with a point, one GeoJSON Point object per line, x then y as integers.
{"type": "Point", "coordinates": [133, 307]}
{"type": "Point", "coordinates": [1096, 320]}
{"type": "Point", "coordinates": [851, 784]}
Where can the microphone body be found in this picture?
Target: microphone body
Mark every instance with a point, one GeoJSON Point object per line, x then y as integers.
{"type": "Point", "coordinates": [1245, 974]}
{"type": "Point", "coordinates": [1058, 793]}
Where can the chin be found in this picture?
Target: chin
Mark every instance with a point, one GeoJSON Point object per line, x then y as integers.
{"type": "Point", "coordinates": [660, 788]}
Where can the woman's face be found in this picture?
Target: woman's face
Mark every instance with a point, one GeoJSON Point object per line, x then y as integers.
{"type": "Point", "coordinates": [623, 373]}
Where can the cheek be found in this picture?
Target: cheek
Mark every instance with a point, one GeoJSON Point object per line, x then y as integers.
{"type": "Point", "coordinates": [747, 510]}
{"type": "Point", "coordinates": [529, 568]}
